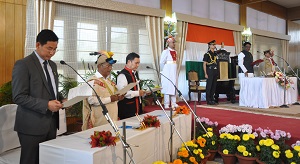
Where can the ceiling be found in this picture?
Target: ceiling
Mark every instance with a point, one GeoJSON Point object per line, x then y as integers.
{"type": "Point", "coordinates": [287, 3]}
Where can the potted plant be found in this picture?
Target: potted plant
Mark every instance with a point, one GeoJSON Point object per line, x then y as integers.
{"type": "Point", "coordinates": [269, 152]}
{"type": "Point", "coordinates": [293, 156]}
{"type": "Point", "coordinates": [212, 143]}
{"type": "Point", "coordinates": [246, 152]}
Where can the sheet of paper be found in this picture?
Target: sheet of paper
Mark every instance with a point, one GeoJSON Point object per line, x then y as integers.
{"type": "Point", "coordinates": [127, 88]}
{"type": "Point", "coordinates": [79, 93]}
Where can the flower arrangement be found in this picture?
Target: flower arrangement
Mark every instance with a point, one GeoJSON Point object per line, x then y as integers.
{"type": "Point", "coordinates": [269, 152]}
{"type": "Point", "coordinates": [103, 138]}
{"type": "Point", "coordinates": [293, 156]}
{"type": "Point", "coordinates": [196, 154]}
{"type": "Point", "coordinates": [246, 146]}
{"type": "Point", "coordinates": [182, 110]}
{"type": "Point", "coordinates": [279, 77]}
{"type": "Point", "coordinates": [212, 142]}
{"type": "Point", "coordinates": [151, 121]}
{"type": "Point", "coordinates": [228, 143]}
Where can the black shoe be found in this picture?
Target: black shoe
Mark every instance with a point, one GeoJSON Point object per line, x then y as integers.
{"type": "Point", "coordinates": [213, 103]}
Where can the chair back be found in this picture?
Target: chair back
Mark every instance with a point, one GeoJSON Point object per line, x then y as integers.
{"type": "Point", "coordinates": [193, 76]}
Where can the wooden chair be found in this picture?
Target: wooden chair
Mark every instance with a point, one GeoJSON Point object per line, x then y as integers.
{"type": "Point", "coordinates": [194, 86]}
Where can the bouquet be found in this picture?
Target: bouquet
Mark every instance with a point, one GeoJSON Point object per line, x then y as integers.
{"type": "Point", "coordinates": [268, 151]}
{"type": "Point", "coordinates": [246, 147]}
{"type": "Point", "coordinates": [279, 77]}
{"type": "Point", "coordinates": [182, 110]}
{"type": "Point", "coordinates": [293, 156]}
{"type": "Point", "coordinates": [151, 121]}
{"type": "Point", "coordinates": [103, 138]}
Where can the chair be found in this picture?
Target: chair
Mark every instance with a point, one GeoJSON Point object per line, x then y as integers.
{"type": "Point", "coordinates": [194, 82]}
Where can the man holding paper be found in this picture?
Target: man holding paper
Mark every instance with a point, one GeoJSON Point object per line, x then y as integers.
{"type": "Point", "coordinates": [132, 103]}
{"type": "Point", "coordinates": [106, 89]}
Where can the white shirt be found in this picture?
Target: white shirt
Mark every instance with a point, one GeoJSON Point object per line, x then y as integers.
{"type": "Point", "coordinates": [241, 61]}
{"type": "Point", "coordinates": [122, 82]}
{"type": "Point", "coordinates": [93, 99]}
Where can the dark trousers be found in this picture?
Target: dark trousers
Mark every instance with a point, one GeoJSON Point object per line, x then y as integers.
{"type": "Point", "coordinates": [211, 83]}
{"type": "Point", "coordinates": [30, 144]}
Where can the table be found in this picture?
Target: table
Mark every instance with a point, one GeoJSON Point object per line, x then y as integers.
{"type": "Point", "coordinates": [152, 142]}
{"type": "Point", "coordinates": [261, 92]}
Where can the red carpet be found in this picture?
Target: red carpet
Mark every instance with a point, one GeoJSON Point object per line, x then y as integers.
{"type": "Point", "coordinates": [224, 117]}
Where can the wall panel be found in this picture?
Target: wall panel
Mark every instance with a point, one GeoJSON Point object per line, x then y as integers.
{"type": "Point", "coordinates": [12, 35]}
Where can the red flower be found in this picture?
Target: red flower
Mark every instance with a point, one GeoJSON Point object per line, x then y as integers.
{"type": "Point", "coordinates": [151, 121]}
{"type": "Point", "coordinates": [103, 138]}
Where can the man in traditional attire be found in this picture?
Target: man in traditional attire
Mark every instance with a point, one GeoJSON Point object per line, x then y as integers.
{"type": "Point", "coordinates": [105, 88]}
{"type": "Point", "coordinates": [210, 68]}
{"type": "Point", "coordinates": [268, 66]}
{"type": "Point", "coordinates": [132, 103]}
{"type": "Point", "coordinates": [245, 59]}
{"type": "Point", "coordinates": [169, 69]}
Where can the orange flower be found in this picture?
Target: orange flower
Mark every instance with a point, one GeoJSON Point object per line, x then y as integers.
{"type": "Point", "coordinates": [180, 153]}
{"type": "Point", "coordinates": [177, 161]}
{"type": "Point", "coordinates": [201, 142]}
{"type": "Point", "coordinates": [185, 154]}
{"type": "Point", "coordinates": [192, 159]}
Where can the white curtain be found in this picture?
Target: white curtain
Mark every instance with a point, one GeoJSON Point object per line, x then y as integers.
{"type": "Point", "coordinates": [155, 28]}
{"type": "Point", "coordinates": [45, 11]}
{"type": "Point", "coordinates": [285, 50]}
{"type": "Point", "coordinates": [181, 39]}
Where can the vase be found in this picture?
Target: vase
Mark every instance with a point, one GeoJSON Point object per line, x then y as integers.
{"type": "Point", "coordinates": [228, 158]}
{"type": "Point", "coordinates": [246, 160]}
{"type": "Point", "coordinates": [212, 154]}
{"type": "Point", "coordinates": [205, 159]}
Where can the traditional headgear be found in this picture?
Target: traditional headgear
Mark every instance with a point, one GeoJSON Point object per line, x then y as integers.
{"type": "Point", "coordinates": [170, 39]}
{"type": "Point", "coordinates": [213, 42]}
{"type": "Point", "coordinates": [266, 51]}
{"type": "Point", "coordinates": [105, 57]}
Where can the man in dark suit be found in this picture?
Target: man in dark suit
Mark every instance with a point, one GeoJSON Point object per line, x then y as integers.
{"type": "Point", "coordinates": [35, 91]}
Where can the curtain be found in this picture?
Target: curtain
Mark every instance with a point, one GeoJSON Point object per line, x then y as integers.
{"type": "Point", "coordinates": [181, 39]}
{"type": "Point", "coordinates": [45, 11]}
{"type": "Point", "coordinates": [155, 28]}
{"type": "Point", "coordinates": [237, 41]}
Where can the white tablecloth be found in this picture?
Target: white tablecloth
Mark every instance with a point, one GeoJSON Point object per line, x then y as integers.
{"type": "Point", "coordinates": [260, 92]}
{"type": "Point", "coordinates": [152, 142]}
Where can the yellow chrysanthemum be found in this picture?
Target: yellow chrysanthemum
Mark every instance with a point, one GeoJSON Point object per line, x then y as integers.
{"type": "Point", "coordinates": [236, 137]}
{"type": "Point", "coordinates": [209, 129]}
{"type": "Point", "coordinates": [289, 155]}
{"type": "Point", "coordinates": [269, 142]}
{"type": "Point", "coordinates": [183, 149]}
{"type": "Point", "coordinates": [276, 154]}
{"type": "Point", "coordinates": [241, 148]}
{"type": "Point", "coordinates": [262, 142]}
{"type": "Point", "coordinates": [275, 147]}
{"type": "Point", "coordinates": [210, 134]}
{"type": "Point", "coordinates": [225, 151]}
{"type": "Point", "coordinates": [222, 135]}
{"type": "Point", "coordinates": [213, 142]}
{"type": "Point", "coordinates": [257, 147]}
{"type": "Point", "coordinates": [195, 151]}
{"type": "Point", "coordinates": [201, 156]}
{"type": "Point", "coordinates": [200, 150]}
{"type": "Point", "coordinates": [245, 153]}
{"type": "Point", "coordinates": [159, 162]}
{"type": "Point", "coordinates": [231, 137]}
{"type": "Point", "coordinates": [252, 136]}
{"type": "Point", "coordinates": [293, 162]}
{"type": "Point", "coordinates": [297, 148]}
{"type": "Point", "coordinates": [246, 137]}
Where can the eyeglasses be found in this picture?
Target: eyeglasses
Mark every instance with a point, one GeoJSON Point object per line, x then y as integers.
{"type": "Point", "coordinates": [51, 50]}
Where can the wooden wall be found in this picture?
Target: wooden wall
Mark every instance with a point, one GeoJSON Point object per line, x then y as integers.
{"type": "Point", "coordinates": [12, 35]}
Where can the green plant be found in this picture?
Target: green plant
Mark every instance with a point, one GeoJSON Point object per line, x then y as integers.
{"type": "Point", "coordinates": [6, 94]}
{"type": "Point", "coordinates": [212, 142]}
{"type": "Point", "coordinates": [66, 83]}
{"type": "Point", "coordinates": [268, 151]}
{"type": "Point", "coordinates": [293, 156]}
{"type": "Point", "coordinates": [228, 143]}
{"type": "Point", "coordinates": [246, 146]}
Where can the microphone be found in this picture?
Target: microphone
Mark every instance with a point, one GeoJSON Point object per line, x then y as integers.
{"type": "Point", "coordinates": [179, 93]}
{"type": "Point", "coordinates": [104, 109]}
{"type": "Point", "coordinates": [94, 53]}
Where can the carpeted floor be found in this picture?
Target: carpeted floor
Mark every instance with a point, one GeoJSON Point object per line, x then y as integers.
{"type": "Point", "coordinates": [265, 118]}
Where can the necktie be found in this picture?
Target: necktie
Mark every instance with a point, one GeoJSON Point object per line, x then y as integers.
{"type": "Point", "coordinates": [49, 80]}
{"type": "Point", "coordinates": [55, 114]}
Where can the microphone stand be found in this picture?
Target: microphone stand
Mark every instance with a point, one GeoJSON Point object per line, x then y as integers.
{"type": "Point", "coordinates": [105, 113]}
{"type": "Point", "coordinates": [170, 120]}
{"type": "Point", "coordinates": [182, 98]}
{"type": "Point", "coordinates": [284, 91]}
